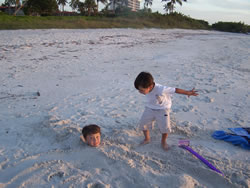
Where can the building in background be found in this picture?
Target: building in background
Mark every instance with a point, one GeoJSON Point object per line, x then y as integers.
{"type": "Point", "coordinates": [134, 5]}
{"type": "Point", "coordinates": [11, 10]}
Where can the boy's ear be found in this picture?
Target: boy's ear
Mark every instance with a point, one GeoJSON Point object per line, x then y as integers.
{"type": "Point", "coordinates": [152, 86]}
{"type": "Point", "coordinates": [83, 139]}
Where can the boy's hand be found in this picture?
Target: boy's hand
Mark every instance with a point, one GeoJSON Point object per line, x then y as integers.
{"type": "Point", "coordinates": [192, 92]}
{"type": "Point", "coordinates": [185, 92]}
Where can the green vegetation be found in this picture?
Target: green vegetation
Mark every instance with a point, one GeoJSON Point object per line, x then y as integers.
{"type": "Point", "coordinates": [46, 15]}
{"type": "Point", "coordinates": [231, 27]}
{"type": "Point", "coordinates": [121, 20]}
{"type": "Point", "coordinates": [40, 7]}
{"type": "Point", "coordinates": [170, 5]}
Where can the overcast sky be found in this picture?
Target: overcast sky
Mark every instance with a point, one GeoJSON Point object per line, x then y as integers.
{"type": "Point", "coordinates": [209, 10]}
{"type": "Point", "coordinates": [212, 10]}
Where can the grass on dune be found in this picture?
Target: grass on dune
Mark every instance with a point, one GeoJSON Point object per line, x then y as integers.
{"type": "Point", "coordinates": [80, 22]}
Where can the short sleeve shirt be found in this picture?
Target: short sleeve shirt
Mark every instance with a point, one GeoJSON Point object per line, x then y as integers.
{"type": "Point", "coordinates": [159, 97]}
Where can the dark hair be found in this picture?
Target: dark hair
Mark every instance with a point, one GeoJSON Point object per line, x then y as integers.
{"type": "Point", "coordinates": [90, 129]}
{"type": "Point", "coordinates": [144, 80]}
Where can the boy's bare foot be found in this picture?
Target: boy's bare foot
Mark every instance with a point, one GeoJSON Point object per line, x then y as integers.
{"type": "Point", "coordinates": [145, 142]}
{"type": "Point", "coordinates": [165, 146]}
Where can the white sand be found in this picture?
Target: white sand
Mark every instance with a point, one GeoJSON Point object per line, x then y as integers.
{"type": "Point", "coordinates": [87, 76]}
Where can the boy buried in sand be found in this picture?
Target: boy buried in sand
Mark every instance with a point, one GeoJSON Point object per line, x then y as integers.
{"type": "Point", "coordinates": [158, 105]}
{"type": "Point", "coordinates": [91, 134]}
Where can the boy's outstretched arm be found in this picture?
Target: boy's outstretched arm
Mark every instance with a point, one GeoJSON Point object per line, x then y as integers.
{"type": "Point", "coordinates": [185, 92]}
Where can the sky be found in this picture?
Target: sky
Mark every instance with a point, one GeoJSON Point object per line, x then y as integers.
{"type": "Point", "coordinates": [213, 10]}
{"type": "Point", "coordinates": [209, 10]}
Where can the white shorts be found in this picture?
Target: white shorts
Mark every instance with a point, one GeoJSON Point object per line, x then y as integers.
{"type": "Point", "coordinates": [161, 117]}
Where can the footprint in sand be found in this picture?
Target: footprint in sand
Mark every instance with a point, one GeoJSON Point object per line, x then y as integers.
{"type": "Point", "coordinates": [208, 100]}
{"type": "Point", "coordinates": [97, 185]}
{"type": "Point", "coordinates": [56, 175]}
{"type": "Point", "coordinates": [187, 108]}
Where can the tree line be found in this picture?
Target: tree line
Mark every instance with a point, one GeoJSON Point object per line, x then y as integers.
{"type": "Point", "coordinates": [85, 7]}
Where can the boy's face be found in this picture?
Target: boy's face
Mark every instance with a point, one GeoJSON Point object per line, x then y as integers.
{"type": "Point", "coordinates": [145, 91]}
{"type": "Point", "coordinates": [94, 140]}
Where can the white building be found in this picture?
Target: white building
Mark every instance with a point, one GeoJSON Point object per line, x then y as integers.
{"type": "Point", "coordinates": [134, 5]}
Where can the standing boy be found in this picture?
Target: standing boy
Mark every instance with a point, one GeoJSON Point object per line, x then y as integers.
{"type": "Point", "coordinates": [158, 105]}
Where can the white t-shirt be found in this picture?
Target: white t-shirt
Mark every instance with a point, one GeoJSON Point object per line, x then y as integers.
{"type": "Point", "coordinates": [160, 97]}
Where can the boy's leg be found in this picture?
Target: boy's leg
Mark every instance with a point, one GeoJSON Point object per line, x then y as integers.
{"type": "Point", "coordinates": [164, 141]}
{"type": "Point", "coordinates": [145, 124]}
{"type": "Point", "coordinates": [147, 137]}
{"type": "Point", "coordinates": [163, 121]}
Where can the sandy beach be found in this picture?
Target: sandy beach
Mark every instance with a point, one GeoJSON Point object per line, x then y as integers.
{"type": "Point", "coordinates": [54, 82]}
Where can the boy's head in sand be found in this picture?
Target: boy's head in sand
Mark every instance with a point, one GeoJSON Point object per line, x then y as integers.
{"type": "Point", "coordinates": [91, 134]}
{"type": "Point", "coordinates": [144, 82]}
